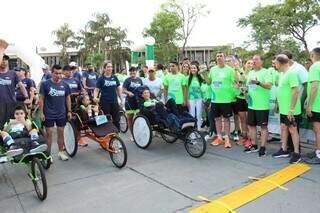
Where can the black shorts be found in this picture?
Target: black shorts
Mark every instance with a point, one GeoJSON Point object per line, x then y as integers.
{"type": "Point", "coordinates": [315, 117]}
{"type": "Point", "coordinates": [61, 122]}
{"type": "Point", "coordinates": [258, 117]}
{"type": "Point", "coordinates": [234, 107]}
{"type": "Point", "coordinates": [131, 105]}
{"type": "Point", "coordinates": [284, 120]}
{"type": "Point", "coordinates": [242, 105]}
{"type": "Point", "coordinates": [221, 109]}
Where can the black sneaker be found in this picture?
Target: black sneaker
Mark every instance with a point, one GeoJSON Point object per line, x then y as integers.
{"type": "Point", "coordinates": [295, 158]}
{"type": "Point", "coordinates": [281, 154]}
{"type": "Point", "coordinates": [251, 149]}
{"type": "Point", "coordinates": [262, 151]}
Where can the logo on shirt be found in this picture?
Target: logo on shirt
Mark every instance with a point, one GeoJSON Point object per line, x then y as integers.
{"type": "Point", "coordinates": [54, 92]}
{"type": "Point", "coordinates": [109, 83]}
{"type": "Point", "coordinates": [135, 85]}
{"type": "Point", "coordinates": [92, 77]}
{"type": "Point", "coordinates": [5, 82]}
{"type": "Point", "coordinates": [73, 86]}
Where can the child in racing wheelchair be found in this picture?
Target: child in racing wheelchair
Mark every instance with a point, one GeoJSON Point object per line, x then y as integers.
{"type": "Point", "coordinates": [155, 109]}
{"type": "Point", "coordinates": [87, 107]}
{"type": "Point", "coordinates": [18, 128]}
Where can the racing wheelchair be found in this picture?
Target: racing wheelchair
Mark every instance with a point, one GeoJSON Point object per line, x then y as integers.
{"type": "Point", "coordinates": [146, 122]}
{"type": "Point", "coordinates": [101, 130]}
{"type": "Point", "coordinates": [36, 162]}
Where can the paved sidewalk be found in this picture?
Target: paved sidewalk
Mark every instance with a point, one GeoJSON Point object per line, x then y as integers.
{"type": "Point", "coordinates": [160, 179]}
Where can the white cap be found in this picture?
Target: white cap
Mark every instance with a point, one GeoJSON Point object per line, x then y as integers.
{"type": "Point", "coordinates": [45, 66]}
{"type": "Point", "coordinates": [73, 64]}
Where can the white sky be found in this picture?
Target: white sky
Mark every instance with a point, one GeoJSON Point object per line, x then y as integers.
{"type": "Point", "coordinates": [31, 22]}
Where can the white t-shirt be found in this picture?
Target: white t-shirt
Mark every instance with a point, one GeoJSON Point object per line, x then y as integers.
{"type": "Point", "coordinates": [302, 75]}
{"type": "Point", "coordinates": [155, 86]}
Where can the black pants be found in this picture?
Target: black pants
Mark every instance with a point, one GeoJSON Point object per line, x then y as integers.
{"type": "Point", "coordinates": [113, 110]}
{"type": "Point", "coordinates": [6, 112]}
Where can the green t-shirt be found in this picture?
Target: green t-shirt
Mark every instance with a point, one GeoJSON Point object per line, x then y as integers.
{"type": "Point", "coordinates": [314, 75]}
{"type": "Point", "coordinates": [160, 74]}
{"type": "Point", "coordinates": [287, 81]}
{"type": "Point", "coordinates": [16, 127]}
{"type": "Point", "coordinates": [150, 103]}
{"type": "Point", "coordinates": [259, 97]}
{"type": "Point", "coordinates": [275, 75]}
{"type": "Point", "coordinates": [194, 89]}
{"type": "Point", "coordinates": [121, 77]}
{"type": "Point", "coordinates": [222, 80]}
{"type": "Point", "coordinates": [206, 92]}
{"type": "Point", "coordinates": [175, 84]}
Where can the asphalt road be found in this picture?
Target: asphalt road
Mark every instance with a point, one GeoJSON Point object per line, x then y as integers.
{"type": "Point", "coordinates": [160, 179]}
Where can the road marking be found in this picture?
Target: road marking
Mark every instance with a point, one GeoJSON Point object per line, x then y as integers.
{"type": "Point", "coordinates": [242, 196]}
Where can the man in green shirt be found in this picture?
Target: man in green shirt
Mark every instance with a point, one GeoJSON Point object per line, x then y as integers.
{"type": "Point", "coordinates": [175, 86]}
{"type": "Point", "coordinates": [259, 85]}
{"type": "Point", "coordinates": [313, 99]}
{"type": "Point", "coordinates": [289, 106]}
{"type": "Point", "coordinates": [221, 78]}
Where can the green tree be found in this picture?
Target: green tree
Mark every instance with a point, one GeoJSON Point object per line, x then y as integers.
{"type": "Point", "coordinates": [99, 38]}
{"type": "Point", "coordinates": [165, 29]}
{"type": "Point", "coordinates": [274, 24]}
{"type": "Point", "coordinates": [65, 39]}
{"type": "Point", "coordinates": [188, 13]}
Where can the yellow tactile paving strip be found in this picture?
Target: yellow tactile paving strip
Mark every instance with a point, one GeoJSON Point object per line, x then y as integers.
{"type": "Point", "coordinates": [242, 196]}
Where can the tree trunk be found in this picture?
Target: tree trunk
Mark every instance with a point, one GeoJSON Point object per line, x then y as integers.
{"type": "Point", "coordinates": [304, 42]}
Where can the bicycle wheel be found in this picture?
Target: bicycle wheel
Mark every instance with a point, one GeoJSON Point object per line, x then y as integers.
{"type": "Point", "coordinates": [70, 138]}
{"type": "Point", "coordinates": [39, 179]}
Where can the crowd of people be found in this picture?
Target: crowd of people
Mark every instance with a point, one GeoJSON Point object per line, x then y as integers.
{"type": "Point", "coordinates": [225, 90]}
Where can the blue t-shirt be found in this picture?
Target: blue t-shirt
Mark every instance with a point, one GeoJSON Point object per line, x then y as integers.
{"type": "Point", "coordinates": [54, 95]}
{"type": "Point", "coordinates": [108, 87]}
{"type": "Point", "coordinates": [91, 79]}
{"type": "Point", "coordinates": [131, 85]}
{"type": "Point", "coordinates": [73, 84]}
{"type": "Point", "coordinates": [8, 83]}
{"type": "Point", "coordinates": [46, 77]}
{"type": "Point", "coordinates": [28, 84]}
{"type": "Point", "coordinates": [77, 76]}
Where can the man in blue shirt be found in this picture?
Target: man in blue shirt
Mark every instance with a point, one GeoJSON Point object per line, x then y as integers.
{"type": "Point", "coordinates": [89, 80]}
{"type": "Point", "coordinates": [8, 82]}
{"type": "Point", "coordinates": [55, 107]}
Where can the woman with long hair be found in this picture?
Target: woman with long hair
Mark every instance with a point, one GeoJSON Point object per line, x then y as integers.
{"type": "Point", "coordinates": [194, 92]}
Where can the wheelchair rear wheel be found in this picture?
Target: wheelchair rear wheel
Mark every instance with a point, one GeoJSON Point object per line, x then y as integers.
{"type": "Point", "coordinates": [141, 130]}
{"type": "Point", "coordinates": [70, 138]}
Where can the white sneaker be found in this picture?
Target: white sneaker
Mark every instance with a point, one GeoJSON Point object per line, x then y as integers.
{"type": "Point", "coordinates": [209, 137]}
{"type": "Point", "coordinates": [62, 156]}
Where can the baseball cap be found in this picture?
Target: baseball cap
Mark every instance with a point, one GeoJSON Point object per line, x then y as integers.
{"type": "Point", "coordinates": [151, 69]}
{"type": "Point", "coordinates": [73, 64]}
{"type": "Point", "coordinates": [45, 66]}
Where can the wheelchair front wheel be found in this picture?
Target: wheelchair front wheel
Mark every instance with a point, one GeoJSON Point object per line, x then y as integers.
{"type": "Point", "coordinates": [119, 152]}
{"type": "Point", "coordinates": [195, 144]}
{"type": "Point", "coordinates": [39, 179]}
